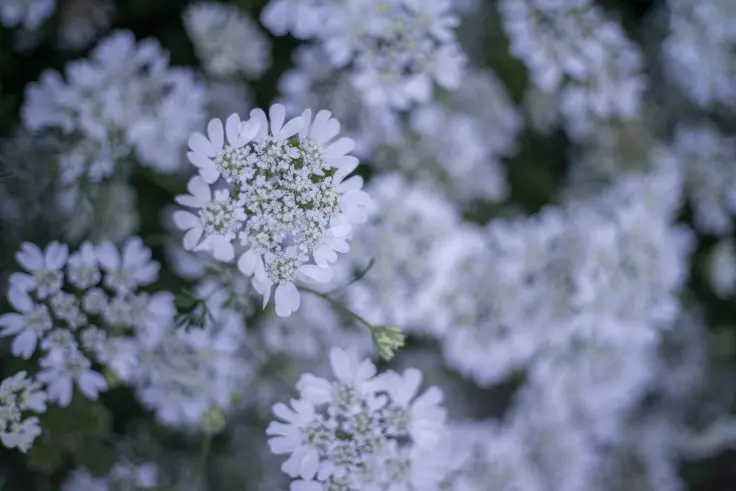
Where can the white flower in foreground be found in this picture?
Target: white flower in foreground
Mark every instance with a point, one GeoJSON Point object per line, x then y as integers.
{"type": "Point", "coordinates": [361, 431]}
{"type": "Point", "coordinates": [60, 373]}
{"type": "Point", "coordinates": [226, 39]}
{"type": "Point", "coordinates": [20, 394]}
{"type": "Point", "coordinates": [286, 196]}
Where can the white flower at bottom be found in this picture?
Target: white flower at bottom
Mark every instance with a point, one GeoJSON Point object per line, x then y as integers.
{"type": "Point", "coordinates": [20, 394]}
{"type": "Point", "coordinates": [61, 372]}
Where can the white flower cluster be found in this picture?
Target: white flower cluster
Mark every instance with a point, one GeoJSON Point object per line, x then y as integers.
{"type": "Point", "coordinates": [81, 308]}
{"type": "Point", "coordinates": [285, 196]}
{"type": "Point", "coordinates": [699, 50]}
{"type": "Point", "coordinates": [124, 99]}
{"type": "Point", "coordinates": [709, 158]}
{"type": "Point", "coordinates": [574, 51]}
{"type": "Point", "coordinates": [123, 476]}
{"type": "Point", "coordinates": [29, 14]}
{"type": "Point", "coordinates": [459, 144]}
{"type": "Point", "coordinates": [227, 40]}
{"type": "Point", "coordinates": [362, 431]}
{"type": "Point", "coordinates": [396, 49]}
{"type": "Point", "coordinates": [20, 395]}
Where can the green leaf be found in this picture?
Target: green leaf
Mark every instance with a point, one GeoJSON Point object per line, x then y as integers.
{"type": "Point", "coordinates": [94, 455]}
{"type": "Point", "coordinates": [47, 454]}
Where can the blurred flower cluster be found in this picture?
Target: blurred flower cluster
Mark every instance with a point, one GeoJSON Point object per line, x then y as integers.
{"type": "Point", "coordinates": [368, 245]}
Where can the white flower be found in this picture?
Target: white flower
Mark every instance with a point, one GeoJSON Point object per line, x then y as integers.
{"type": "Point", "coordinates": [352, 434]}
{"type": "Point", "coordinates": [226, 39]}
{"type": "Point", "coordinates": [45, 276]}
{"type": "Point", "coordinates": [29, 14]}
{"type": "Point", "coordinates": [288, 199]}
{"type": "Point", "coordinates": [61, 372]}
{"type": "Point", "coordinates": [82, 270]}
{"type": "Point", "coordinates": [218, 220]}
{"type": "Point", "coordinates": [18, 395]}
{"type": "Point", "coordinates": [301, 436]}
{"type": "Point", "coordinates": [128, 269]}
{"type": "Point", "coordinates": [28, 326]}
{"type": "Point", "coordinates": [421, 418]}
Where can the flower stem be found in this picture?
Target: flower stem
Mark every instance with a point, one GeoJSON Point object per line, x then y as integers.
{"type": "Point", "coordinates": [339, 305]}
{"type": "Point", "coordinates": [204, 451]}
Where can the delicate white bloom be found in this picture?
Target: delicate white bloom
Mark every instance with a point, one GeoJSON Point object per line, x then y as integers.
{"type": "Point", "coordinates": [124, 475]}
{"type": "Point", "coordinates": [287, 200]}
{"type": "Point", "coordinates": [45, 276]}
{"type": "Point", "coordinates": [407, 224]}
{"type": "Point", "coordinates": [124, 98]}
{"type": "Point", "coordinates": [83, 270]}
{"type": "Point", "coordinates": [722, 268]}
{"type": "Point", "coordinates": [709, 159]}
{"type": "Point", "coordinates": [129, 268]}
{"type": "Point", "coordinates": [361, 431]}
{"type": "Point", "coordinates": [28, 326]}
{"type": "Point", "coordinates": [60, 372]}
{"type": "Point", "coordinates": [20, 394]}
{"type": "Point", "coordinates": [29, 14]}
{"type": "Point", "coordinates": [313, 82]}
{"type": "Point", "coordinates": [570, 46]}
{"type": "Point", "coordinates": [399, 49]}
{"type": "Point", "coordinates": [457, 146]}
{"type": "Point", "coordinates": [699, 50]}
{"type": "Point", "coordinates": [227, 40]}
{"type": "Point", "coordinates": [181, 374]}
{"type": "Point", "coordinates": [303, 18]}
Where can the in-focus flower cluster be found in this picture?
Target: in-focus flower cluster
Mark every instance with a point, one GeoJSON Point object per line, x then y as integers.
{"type": "Point", "coordinates": [281, 188]}
{"type": "Point", "coordinates": [362, 431]}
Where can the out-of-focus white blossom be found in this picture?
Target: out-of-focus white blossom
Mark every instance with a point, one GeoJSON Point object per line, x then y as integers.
{"type": "Point", "coordinates": [227, 40]}
{"type": "Point", "coordinates": [398, 49]}
{"type": "Point", "coordinates": [722, 268]}
{"type": "Point", "coordinates": [699, 50]}
{"type": "Point", "coordinates": [124, 101]}
{"type": "Point", "coordinates": [29, 14]}
{"type": "Point", "coordinates": [571, 47]}
{"type": "Point", "coordinates": [20, 395]}
{"type": "Point", "coordinates": [124, 475]}
{"type": "Point", "coordinates": [709, 158]}
{"type": "Point", "coordinates": [458, 146]}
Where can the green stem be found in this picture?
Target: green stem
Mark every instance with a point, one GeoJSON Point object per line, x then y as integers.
{"type": "Point", "coordinates": [204, 451]}
{"type": "Point", "coordinates": [339, 305]}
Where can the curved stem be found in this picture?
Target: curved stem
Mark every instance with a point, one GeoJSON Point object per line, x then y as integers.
{"type": "Point", "coordinates": [339, 305]}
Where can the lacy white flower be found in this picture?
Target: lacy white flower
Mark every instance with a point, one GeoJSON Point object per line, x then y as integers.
{"type": "Point", "coordinates": [287, 198]}
{"type": "Point", "coordinates": [406, 227]}
{"type": "Point", "coordinates": [313, 82]}
{"type": "Point", "coordinates": [45, 276]}
{"type": "Point", "coordinates": [399, 49]}
{"type": "Point", "coordinates": [184, 373]}
{"type": "Point", "coordinates": [709, 157]}
{"type": "Point", "coordinates": [20, 394]}
{"type": "Point", "coordinates": [458, 143]}
{"type": "Point", "coordinates": [96, 318]}
{"type": "Point", "coordinates": [124, 98]}
{"type": "Point", "coordinates": [227, 40]}
{"type": "Point", "coordinates": [572, 46]}
{"type": "Point", "coordinates": [699, 50]}
{"type": "Point", "coordinates": [29, 14]}
{"type": "Point", "coordinates": [360, 431]}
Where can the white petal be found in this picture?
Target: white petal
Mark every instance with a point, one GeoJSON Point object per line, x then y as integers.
{"type": "Point", "coordinates": [291, 128]}
{"type": "Point", "coordinates": [216, 133]}
{"type": "Point", "coordinates": [316, 273]}
{"type": "Point", "coordinates": [277, 114]}
{"type": "Point", "coordinates": [198, 143]}
{"type": "Point", "coordinates": [20, 300]}
{"type": "Point", "coordinates": [185, 220]}
{"type": "Point", "coordinates": [341, 147]}
{"type": "Point", "coordinates": [30, 257]}
{"type": "Point", "coordinates": [232, 129]}
{"type": "Point", "coordinates": [191, 238]}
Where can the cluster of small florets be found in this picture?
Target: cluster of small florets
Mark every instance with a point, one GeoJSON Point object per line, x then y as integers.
{"type": "Point", "coordinates": [284, 196]}
{"type": "Point", "coordinates": [574, 51]}
{"type": "Point", "coordinates": [81, 308]}
{"type": "Point", "coordinates": [396, 48]}
{"type": "Point", "coordinates": [20, 395]}
{"type": "Point", "coordinates": [227, 40]}
{"type": "Point", "coordinates": [124, 99]}
{"type": "Point", "coordinates": [360, 431]}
